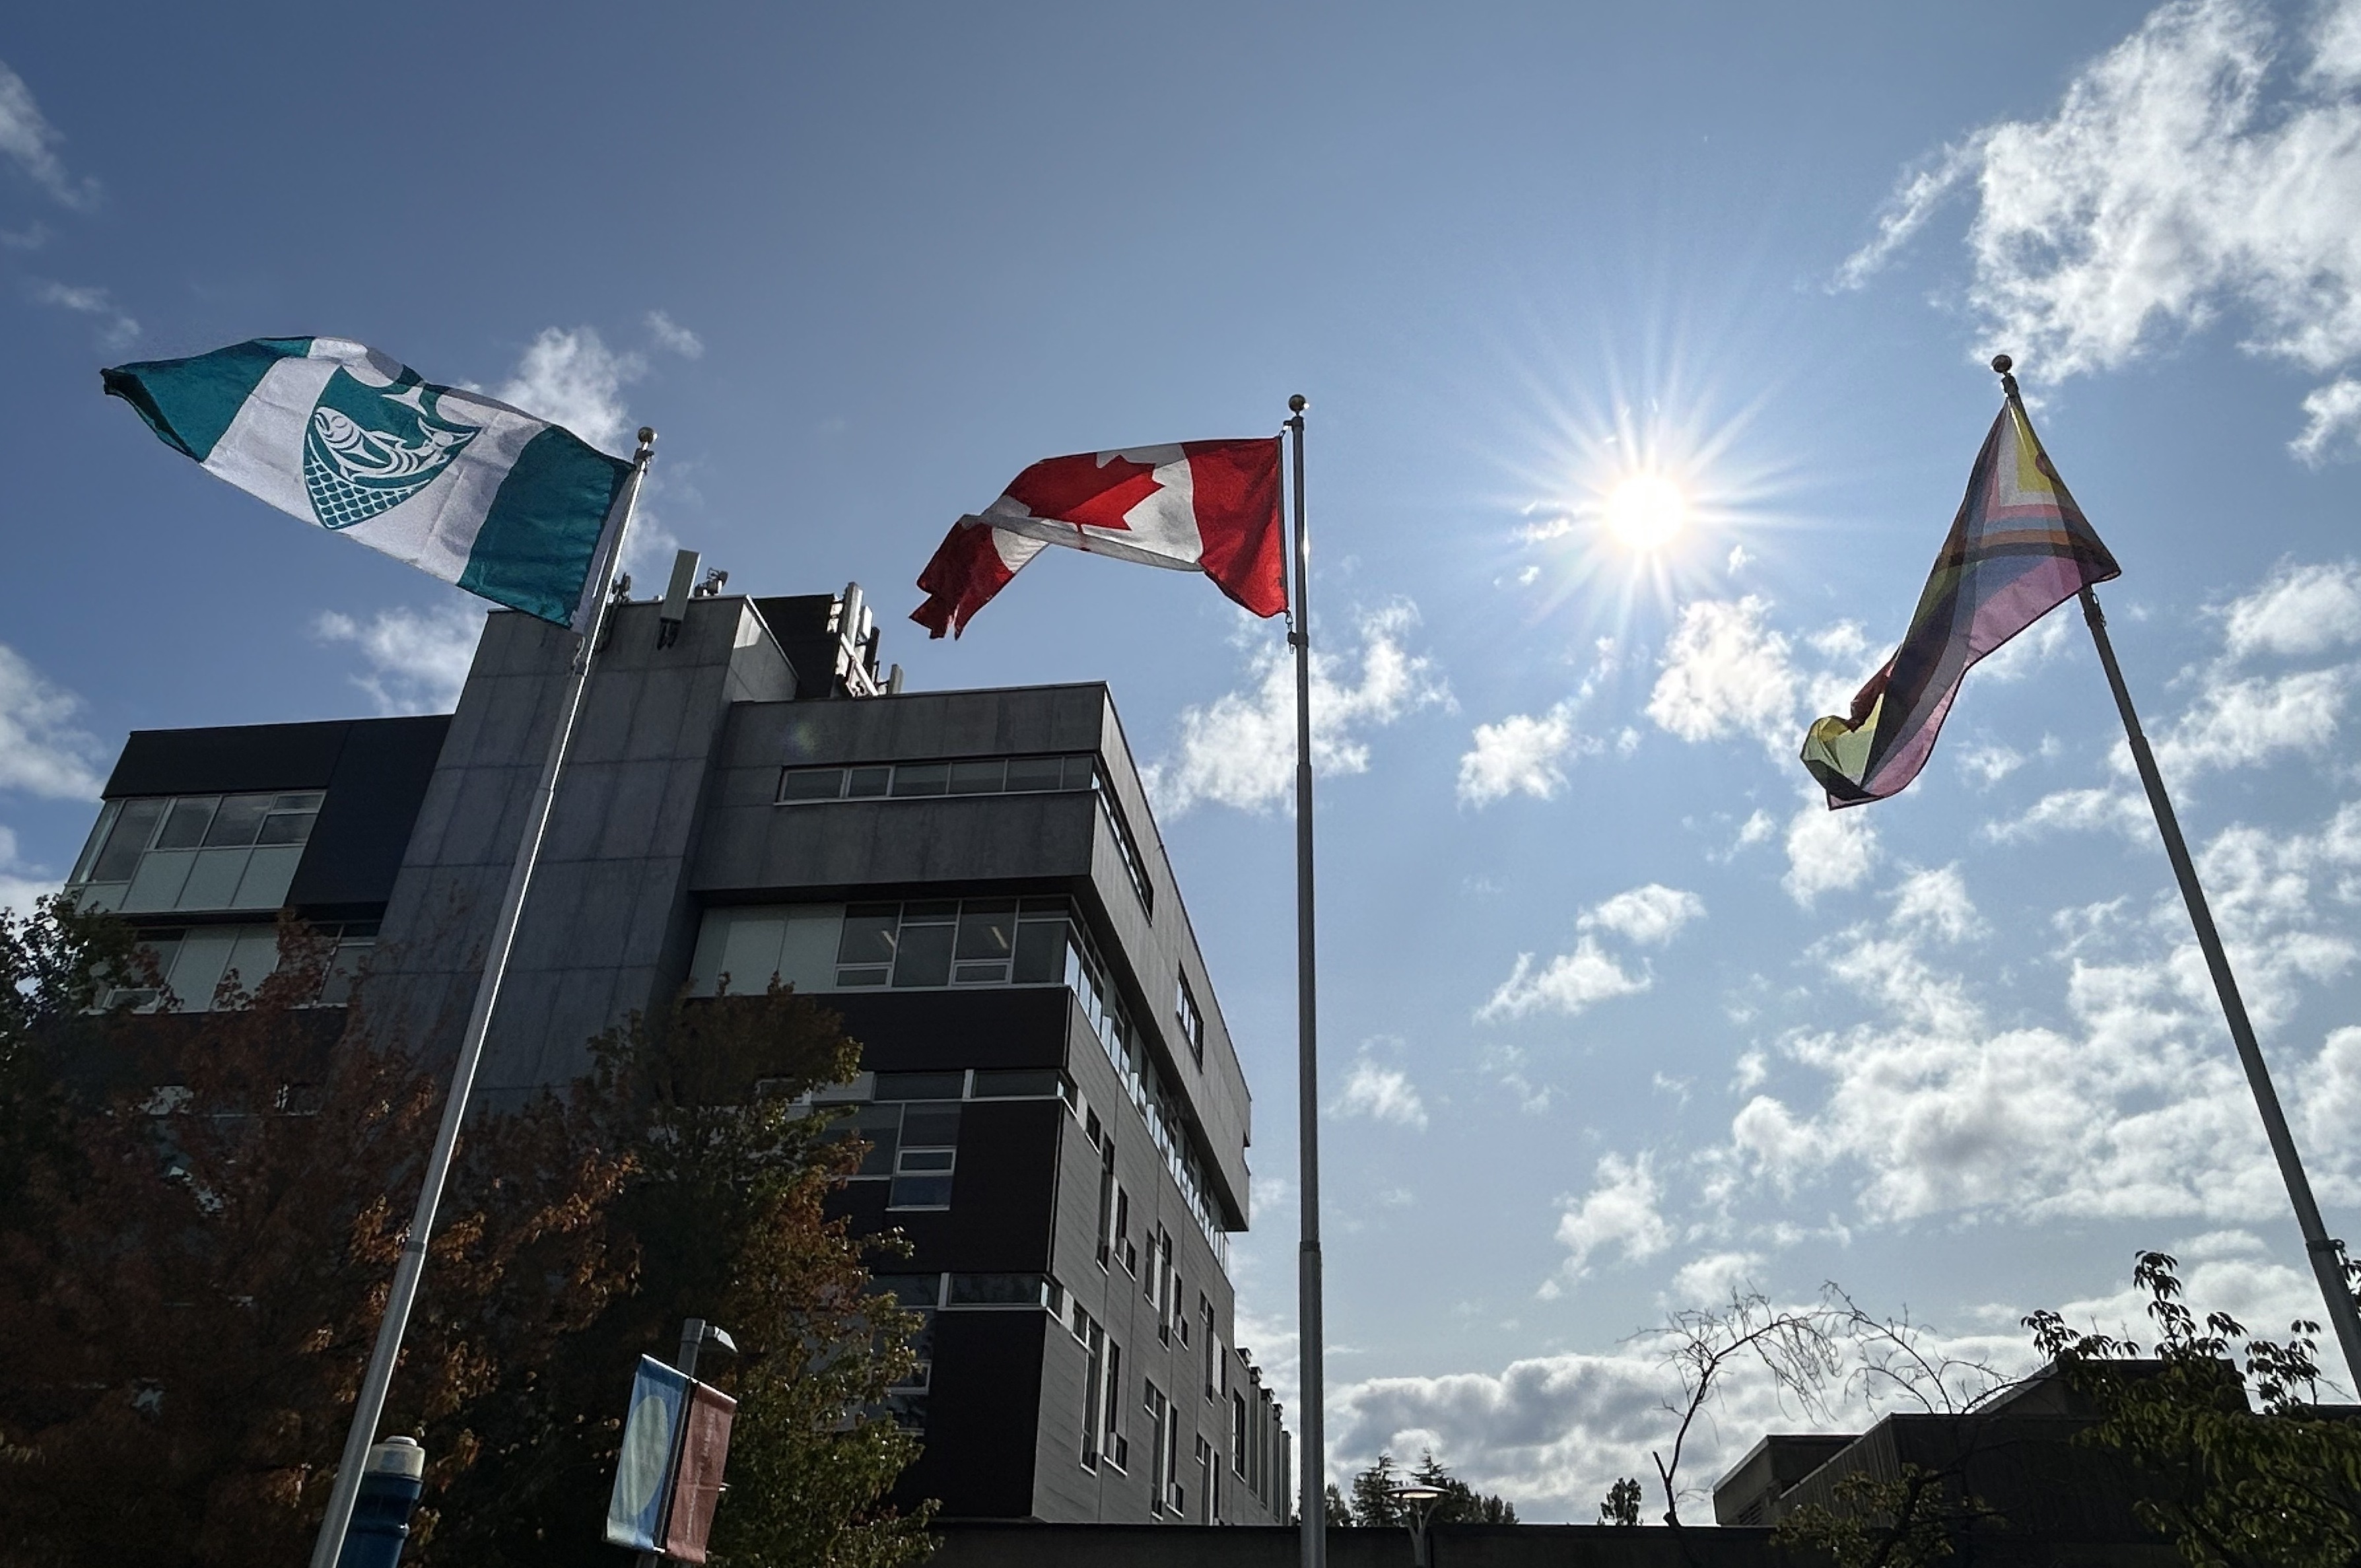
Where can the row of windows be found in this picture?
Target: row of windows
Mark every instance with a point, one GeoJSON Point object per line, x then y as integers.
{"type": "Point", "coordinates": [1105, 1441]}
{"type": "Point", "coordinates": [193, 963]}
{"type": "Point", "coordinates": [194, 852]}
{"type": "Point", "coordinates": [978, 776]}
{"type": "Point", "coordinates": [928, 943]}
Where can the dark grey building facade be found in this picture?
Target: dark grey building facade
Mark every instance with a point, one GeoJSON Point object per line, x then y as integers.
{"type": "Point", "coordinates": [974, 879]}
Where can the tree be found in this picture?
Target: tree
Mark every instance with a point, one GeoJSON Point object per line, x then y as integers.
{"type": "Point", "coordinates": [2233, 1488]}
{"type": "Point", "coordinates": [1339, 1510]}
{"type": "Point", "coordinates": [191, 1274]}
{"type": "Point", "coordinates": [1909, 1520]}
{"type": "Point", "coordinates": [1796, 1348]}
{"type": "Point", "coordinates": [1621, 1506]}
{"type": "Point", "coordinates": [1460, 1504]}
{"type": "Point", "coordinates": [1374, 1504]}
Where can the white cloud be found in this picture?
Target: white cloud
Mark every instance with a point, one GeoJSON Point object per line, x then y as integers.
{"type": "Point", "coordinates": [2244, 723]}
{"type": "Point", "coordinates": [1937, 901]}
{"type": "Point", "coordinates": [30, 142]}
{"type": "Point", "coordinates": [1990, 765]}
{"type": "Point", "coordinates": [2181, 179]}
{"type": "Point", "coordinates": [417, 659]}
{"type": "Point", "coordinates": [1651, 914]}
{"type": "Point", "coordinates": [1710, 1281]}
{"type": "Point", "coordinates": [572, 378]}
{"type": "Point", "coordinates": [42, 751]}
{"type": "Point", "coordinates": [1520, 753]}
{"type": "Point", "coordinates": [1382, 1094]}
{"type": "Point", "coordinates": [2332, 422]}
{"type": "Point", "coordinates": [1726, 671]}
{"type": "Point", "coordinates": [116, 330]}
{"type": "Point", "coordinates": [671, 335]}
{"type": "Point", "coordinates": [1569, 983]}
{"type": "Point", "coordinates": [1757, 828]}
{"type": "Point", "coordinates": [1619, 1211]}
{"type": "Point", "coordinates": [1239, 749]}
{"type": "Point", "coordinates": [1827, 851]}
{"type": "Point", "coordinates": [2301, 610]}
{"type": "Point", "coordinates": [2078, 811]}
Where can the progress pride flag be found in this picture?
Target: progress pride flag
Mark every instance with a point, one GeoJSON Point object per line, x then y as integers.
{"type": "Point", "coordinates": [1200, 506]}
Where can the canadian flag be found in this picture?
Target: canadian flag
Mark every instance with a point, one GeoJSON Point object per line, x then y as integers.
{"type": "Point", "coordinates": [1201, 505]}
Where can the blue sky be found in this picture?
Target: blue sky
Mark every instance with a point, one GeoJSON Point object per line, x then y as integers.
{"type": "Point", "coordinates": [1615, 1016]}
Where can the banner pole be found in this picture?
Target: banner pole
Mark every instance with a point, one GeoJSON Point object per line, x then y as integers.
{"type": "Point", "coordinates": [370, 1407]}
{"type": "Point", "coordinates": [2327, 1255]}
{"type": "Point", "coordinates": [1312, 1465]}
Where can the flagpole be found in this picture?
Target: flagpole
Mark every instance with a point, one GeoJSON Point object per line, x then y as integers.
{"type": "Point", "coordinates": [2327, 1255]}
{"type": "Point", "coordinates": [1312, 1465]}
{"type": "Point", "coordinates": [370, 1407]}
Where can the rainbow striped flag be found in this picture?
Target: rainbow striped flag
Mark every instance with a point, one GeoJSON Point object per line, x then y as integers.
{"type": "Point", "coordinates": [2019, 548]}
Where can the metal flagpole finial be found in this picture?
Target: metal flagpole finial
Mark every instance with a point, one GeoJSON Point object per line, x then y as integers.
{"type": "Point", "coordinates": [647, 444]}
{"type": "Point", "coordinates": [1298, 404]}
{"type": "Point", "coordinates": [2001, 364]}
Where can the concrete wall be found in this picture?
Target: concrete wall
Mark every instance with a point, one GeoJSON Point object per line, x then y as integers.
{"type": "Point", "coordinates": [607, 927]}
{"type": "Point", "coordinates": [1455, 1546]}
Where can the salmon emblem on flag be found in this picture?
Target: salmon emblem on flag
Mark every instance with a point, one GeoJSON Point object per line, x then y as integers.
{"type": "Point", "coordinates": [1198, 506]}
{"type": "Point", "coordinates": [2018, 549]}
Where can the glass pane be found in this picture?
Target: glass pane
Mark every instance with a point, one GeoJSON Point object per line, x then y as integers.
{"type": "Point", "coordinates": [980, 974]}
{"type": "Point", "coordinates": [978, 778]}
{"type": "Point", "coordinates": [185, 828]}
{"type": "Point", "coordinates": [917, 1290]}
{"type": "Point", "coordinates": [930, 909]}
{"type": "Point", "coordinates": [870, 780]}
{"type": "Point", "coordinates": [851, 978]}
{"type": "Point", "coordinates": [238, 821]}
{"type": "Point", "coordinates": [213, 883]}
{"type": "Point", "coordinates": [1040, 947]}
{"type": "Point", "coordinates": [920, 1192]}
{"type": "Point", "coordinates": [869, 934]}
{"type": "Point", "coordinates": [106, 815]}
{"type": "Point", "coordinates": [928, 1159]}
{"type": "Point", "coordinates": [920, 1085]}
{"type": "Point", "coordinates": [929, 1127]}
{"type": "Point", "coordinates": [133, 827]}
{"type": "Point", "coordinates": [157, 883]}
{"type": "Point", "coordinates": [921, 778]}
{"type": "Point", "coordinates": [287, 827]}
{"type": "Point", "coordinates": [995, 1290]}
{"type": "Point", "coordinates": [268, 877]}
{"type": "Point", "coordinates": [811, 784]}
{"type": "Point", "coordinates": [987, 928]}
{"type": "Point", "coordinates": [925, 957]}
{"type": "Point", "coordinates": [1078, 772]}
{"type": "Point", "coordinates": [807, 956]}
{"type": "Point", "coordinates": [1015, 1082]}
{"type": "Point", "coordinates": [750, 953]}
{"type": "Point", "coordinates": [197, 967]}
{"type": "Point", "coordinates": [297, 802]}
{"type": "Point", "coordinates": [255, 956]}
{"type": "Point", "coordinates": [881, 1127]}
{"type": "Point", "coordinates": [1035, 772]}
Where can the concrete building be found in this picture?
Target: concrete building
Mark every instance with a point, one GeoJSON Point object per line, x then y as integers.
{"type": "Point", "coordinates": [974, 879]}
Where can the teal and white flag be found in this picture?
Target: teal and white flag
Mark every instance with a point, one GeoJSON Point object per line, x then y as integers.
{"type": "Point", "coordinates": [458, 485]}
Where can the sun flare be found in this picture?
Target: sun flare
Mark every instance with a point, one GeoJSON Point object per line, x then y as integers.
{"type": "Point", "coordinates": [1646, 511]}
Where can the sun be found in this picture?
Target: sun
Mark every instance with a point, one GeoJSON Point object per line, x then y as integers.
{"type": "Point", "coordinates": [1646, 511]}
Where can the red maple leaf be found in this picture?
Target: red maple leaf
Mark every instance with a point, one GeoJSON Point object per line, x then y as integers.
{"type": "Point", "coordinates": [1081, 489]}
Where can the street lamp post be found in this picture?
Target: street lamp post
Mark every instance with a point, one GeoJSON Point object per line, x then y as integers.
{"type": "Point", "coordinates": [1417, 1502]}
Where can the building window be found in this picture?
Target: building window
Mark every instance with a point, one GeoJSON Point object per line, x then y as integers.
{"type": "Point", "coordinates": [1238, 1433]}
{"type": "Point", "coordinates": [906, 1402]}
{"type": "Point", "coordinates": [913, 1146]}
{"type": "Point", "coordinates": [1163, 1284]}
{"type": "Point", "coordinates": [1125, 1251]}
{"type": "Point", "coordinates": [983, 775]}
{"type": "Point", "coordinates": [194, 852]}
{"type": "Point", "coordinates": [193, 961]}
{"type": "Point", "coordinates": [1109, 1237]}
{"type": "Point", "coordinates": [1115, 1448]}
{"type": "Point", "coordinates": [1126, 847]}
{"type": "Point", "coordinates": [1192, 1023]}
{"type": "Point", "coordinates": [1213, 1349]}
{"type": "Point", "coordinates": [1159, 1461]}
{"type": "Point", "coordinates": [1205, 1454]}
{"type": "Point", "coordinates": [1093, 1338]}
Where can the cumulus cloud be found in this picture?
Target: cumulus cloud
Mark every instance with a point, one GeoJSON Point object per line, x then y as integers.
{"type": "Point", "coordinates": [2078, 811]}
{"type": "Point", "coordinates": [2332, 420]}
{"type": "Point", "coordinates": [1619, 1212]}
{"type": "Point", "coordinates": [1519, 755]}
{"type": "Point", "coordinates": [1382, 1094]}
{"type": "Point", "coordinates": [2183, 179]}
{"type": "Point", "coordinates": [116, 329]}
{"type": "Point", "coordinates": [42, 751]}
{"type": "Point", "coordinates": [1937, 901]}
{"type": "Point", "coordinates": [1654, 914]}
{"type": "Point", "coordinates": [1827, 851]}
{"type": "Point", "coordinates": [571, 378]}
{"type": "Point", "coordinates": [672, 337]}
{"type": "Point", "coordinates": [2301, 610]}
{"type": "Point", "coordinates": [1726, 671]}
{"type": "Point", "coordinates": [417, 659]}
{"type": "Point", "coordinates": [30, 142]}
{"type": "Point", "coordinates": [1569, 983]}
{"type": "Point", "coordinates": [2249, 721]}
{"type": "Point", "coordinates": [1239, 749]}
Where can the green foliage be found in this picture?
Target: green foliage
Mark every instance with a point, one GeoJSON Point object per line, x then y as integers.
{"type": "Point", "coordinates": [2234, 1488]}
{"type": "Point", "coordinates": [1912, 1520]}
{"type": "Point", "coordinates": [1622, 1503]}
{"type": "Point", "coordinates": [1372, 1503]}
